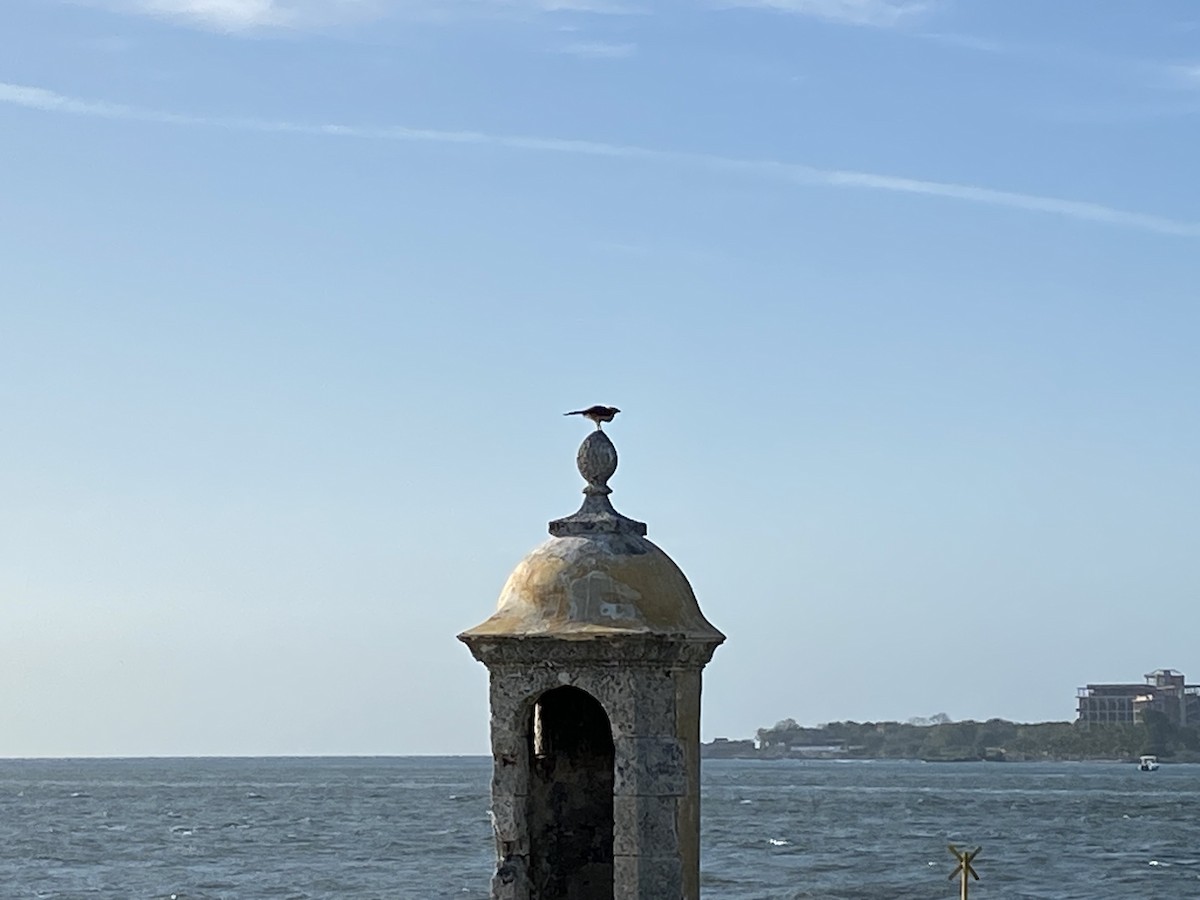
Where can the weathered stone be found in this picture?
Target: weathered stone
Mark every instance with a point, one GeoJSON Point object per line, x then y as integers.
{"type": "Point", "coordinates": [644, 822]}
{"type": "Point", "coordinates": [653, 710]}
{"type": "Point", "coordinates": [510, 823]}
{"type": "Point", "coordinates": [510, 773]}
{"type": "Point", "coordinates": [595, 654]}
{"type": "Point", "coordinates": [648, 877]}
{"type": "Point", "coordinates": [511, 879]}
{"type": "Point", "coordinates": [650, 767]}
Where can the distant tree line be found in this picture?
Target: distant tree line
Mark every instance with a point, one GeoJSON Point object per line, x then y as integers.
{"type": "Point", "coordinates": [939, 738]}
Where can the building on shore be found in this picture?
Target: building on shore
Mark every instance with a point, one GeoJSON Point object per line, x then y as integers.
{"type": "Point", "coordinates": [1164, 690]}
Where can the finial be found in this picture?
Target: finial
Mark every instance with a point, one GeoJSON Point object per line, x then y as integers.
{"type": "Point", "coordinates": [597, 461]}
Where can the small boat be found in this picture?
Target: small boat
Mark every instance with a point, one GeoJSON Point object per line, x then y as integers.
{"type": "Point", "coordinates": [1148, 763]}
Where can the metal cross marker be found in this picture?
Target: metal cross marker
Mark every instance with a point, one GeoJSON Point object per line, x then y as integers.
{"type": "Point", "coordinates": [964, 867]}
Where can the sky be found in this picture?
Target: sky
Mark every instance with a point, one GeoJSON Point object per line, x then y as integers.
{"type": "Point", "coordinates": [899, 301]}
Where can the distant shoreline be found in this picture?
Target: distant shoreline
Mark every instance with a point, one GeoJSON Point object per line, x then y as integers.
{"type": "Point", "coordinates": [707, 754]}
{"type": "Point", "coordinates": [941, 740]}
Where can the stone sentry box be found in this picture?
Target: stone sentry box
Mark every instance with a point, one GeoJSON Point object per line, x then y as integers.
{"type": "Point", "coordinates": [595, 654]}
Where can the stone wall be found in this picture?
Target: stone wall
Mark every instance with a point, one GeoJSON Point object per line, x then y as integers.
{"type": "Point", "coordinates": [649, 687]}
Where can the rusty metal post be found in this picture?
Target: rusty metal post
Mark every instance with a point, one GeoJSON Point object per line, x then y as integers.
{"type": "Point", "coordinates": [964, 868]}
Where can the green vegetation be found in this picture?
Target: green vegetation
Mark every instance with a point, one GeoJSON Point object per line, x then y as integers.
{"type": "Point", "coordinates": [939, 738]}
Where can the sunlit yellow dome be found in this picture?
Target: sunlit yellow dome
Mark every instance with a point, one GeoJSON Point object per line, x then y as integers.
{"type": "Point", "coordinates": [597, 575]}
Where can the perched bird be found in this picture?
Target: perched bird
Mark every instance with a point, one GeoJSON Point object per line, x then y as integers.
{"type": "Point", "coordinates": [598, 414]}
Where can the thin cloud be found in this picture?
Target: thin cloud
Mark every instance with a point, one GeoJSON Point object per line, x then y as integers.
{"type": "Point", "coordinates": [1187, 76]}
{"type": "Point", "coordinates": [876, 13]}
{"type": "Point", "coordinates": [237, 16]}
{"type": "Point", "coordinates": [792, 173]}
{"type": "Point", "coordinates": [602, 7]}
{"type": "Point", "coordinates": [226, 15]}
{"type": "Point", "coordinates": [968, 42]}
{"type": "Point", "coordinates": [113, 44]}
{"type": "Point", "coordinates": [598, 50]}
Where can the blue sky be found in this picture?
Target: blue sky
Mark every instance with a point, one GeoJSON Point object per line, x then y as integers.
{"type": "Point", "coordinates": [899, 300]}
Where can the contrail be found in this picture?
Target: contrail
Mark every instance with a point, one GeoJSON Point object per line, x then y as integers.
{"type": "Point", "coordinates": [795, 173]}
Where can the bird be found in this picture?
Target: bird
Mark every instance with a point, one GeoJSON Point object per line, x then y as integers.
{"type": "Point", "coordinates": [598, 414]}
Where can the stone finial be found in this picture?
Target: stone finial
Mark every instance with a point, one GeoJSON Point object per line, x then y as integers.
{"type": "Point", "coordinates": [597, 461]}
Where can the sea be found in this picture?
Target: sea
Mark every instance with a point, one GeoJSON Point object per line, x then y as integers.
{"type": "Point", "coordinates": [417, 828]}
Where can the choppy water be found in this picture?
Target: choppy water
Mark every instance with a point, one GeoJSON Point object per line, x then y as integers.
{"type": "Point", "coordinates": [417, 829]}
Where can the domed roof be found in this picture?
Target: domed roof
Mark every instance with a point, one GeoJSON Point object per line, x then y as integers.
{"type": "Point", "coordinates": [597, 575]}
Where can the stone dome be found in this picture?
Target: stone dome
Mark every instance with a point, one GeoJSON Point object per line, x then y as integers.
{"type": "Point", "coordinates": [598, 575]}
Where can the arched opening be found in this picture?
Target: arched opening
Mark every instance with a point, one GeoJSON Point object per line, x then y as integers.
{"type": "Point", "coordinates": [570, 810]}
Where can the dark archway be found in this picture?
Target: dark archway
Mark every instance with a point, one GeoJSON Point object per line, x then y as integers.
{"type": "Point", "coordinates": [570, 810]}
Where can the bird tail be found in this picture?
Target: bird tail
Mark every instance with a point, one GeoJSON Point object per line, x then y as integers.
{"type": "Point", "coordinates": [575, 412]}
